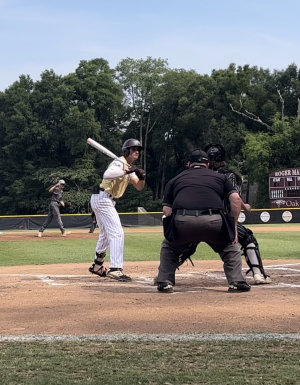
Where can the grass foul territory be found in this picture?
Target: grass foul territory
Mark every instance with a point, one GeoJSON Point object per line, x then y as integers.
{"type": "Point", "coordinates": [162, 363]}
{"type": "Point", "coordinates": [138, 247]}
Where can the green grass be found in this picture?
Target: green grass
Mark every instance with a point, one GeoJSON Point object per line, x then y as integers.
{"type": "Point", "coordinates": [128, 363]}
{"type": "Point", "coordinates": [135, 363]}
{"type": "Point", "coordinates": [138, 247]}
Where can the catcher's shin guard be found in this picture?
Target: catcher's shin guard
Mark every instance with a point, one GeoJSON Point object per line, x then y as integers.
{"type": "Point", "coordinates": [250, 250]}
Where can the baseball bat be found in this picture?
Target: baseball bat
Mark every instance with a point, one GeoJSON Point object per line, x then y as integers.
{"type": "Point", "coordinates": [104, 150]}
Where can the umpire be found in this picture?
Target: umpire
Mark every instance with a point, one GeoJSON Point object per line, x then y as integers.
{"type": "Point", "coordinates": [194, 201]}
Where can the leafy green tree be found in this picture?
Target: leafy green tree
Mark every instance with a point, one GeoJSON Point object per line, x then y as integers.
{"type": "Point", "coordinates": [267, 152]}
{"type": "Point", "coordinates": [45, 126]}
{"type": "Point", "coordinates": [140, 80]}
{"type": "Point", "coordinates": [287, 82]}
{"type": "Point", "coordinates": [19, 129]}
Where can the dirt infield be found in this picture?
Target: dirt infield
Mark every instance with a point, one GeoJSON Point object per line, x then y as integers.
{"type": "Point", "coordinates": [65, 299]}
{"type": "Point", "coordinates": [83, 233]}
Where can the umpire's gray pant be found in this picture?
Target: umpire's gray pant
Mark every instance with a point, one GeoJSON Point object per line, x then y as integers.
{"type": "Point", "coordinates": [53, 213]}
{"type": "Point", "coordinates": [204, 228]}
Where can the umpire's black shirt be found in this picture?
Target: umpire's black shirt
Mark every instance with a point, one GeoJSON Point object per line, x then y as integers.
{"type": "Point", "coordinates": [197, 188]}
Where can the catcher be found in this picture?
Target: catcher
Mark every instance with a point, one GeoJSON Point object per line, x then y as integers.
{"type": "Point", "coordinates": [246, 239]}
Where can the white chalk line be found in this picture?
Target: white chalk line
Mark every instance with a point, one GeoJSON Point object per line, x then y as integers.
{"type": "Point", "coordinates": [286, 264]}
{"type": "Point", "coordinates": [50, 279]}
{"type": "Point", "coordinates": [52, 275]}
{"type": "Point", "coordinates": [285, 269]}
{"type": "Point", "coordinates": [202, 337]}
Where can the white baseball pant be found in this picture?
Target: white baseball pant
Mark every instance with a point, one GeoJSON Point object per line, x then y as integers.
{"type": "Point", "coordinates": [111, 234]}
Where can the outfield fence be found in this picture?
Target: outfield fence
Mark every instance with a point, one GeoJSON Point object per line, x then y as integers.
{"type": "Point", "coordinates": [138, 219]}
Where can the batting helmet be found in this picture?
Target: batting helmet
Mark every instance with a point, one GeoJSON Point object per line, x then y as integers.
{"type": "Point", "coordinates": [215, 152]}
{"type": "Point", "coordinates": [198, 156]}
{"type": "Point", "coordinates": [131, 143]}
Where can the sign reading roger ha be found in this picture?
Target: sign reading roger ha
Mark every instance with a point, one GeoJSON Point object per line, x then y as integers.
{"type": "Point", "coordinates": [284, 188]}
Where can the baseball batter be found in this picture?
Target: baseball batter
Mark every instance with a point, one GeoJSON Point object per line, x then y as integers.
{"type": "Point", "coordinates": [116, 179]}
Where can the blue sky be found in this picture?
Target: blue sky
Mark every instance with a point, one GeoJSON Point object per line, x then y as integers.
{"type": "Point", "coordinates": [36, 35]}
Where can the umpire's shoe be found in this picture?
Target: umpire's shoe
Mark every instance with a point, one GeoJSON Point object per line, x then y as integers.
{"type": "Point", "coordinates": [118, 275]}
{"type": "Point", "coordinates": [239, 287]}
{"type": "Point", "coordinates": [165, 287]}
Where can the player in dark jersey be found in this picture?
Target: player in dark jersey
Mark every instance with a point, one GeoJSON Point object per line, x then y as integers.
{"type": "Point", "coordinates": [249, 244]}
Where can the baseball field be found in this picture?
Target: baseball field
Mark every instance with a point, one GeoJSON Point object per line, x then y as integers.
{"type": "Point", "coordinates": [61, 325]}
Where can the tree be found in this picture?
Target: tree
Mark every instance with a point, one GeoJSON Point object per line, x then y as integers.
{"type": "Point", "coordinates": [267, 152]}
{"type": "Point", "coordinates": [45, 125]}
{"type": "Point", "coordinates": [140, 80]}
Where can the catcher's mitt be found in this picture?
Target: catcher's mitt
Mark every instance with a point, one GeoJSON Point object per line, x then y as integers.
{"type": "Point", "coordinates": [65, 204]}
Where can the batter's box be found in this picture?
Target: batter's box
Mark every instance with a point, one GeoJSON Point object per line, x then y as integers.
{"type": "Point", "coordinates": [282, 275]}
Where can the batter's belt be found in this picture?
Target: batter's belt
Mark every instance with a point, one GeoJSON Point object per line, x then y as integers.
{"type": "Point", "coordinates": [97, 189]}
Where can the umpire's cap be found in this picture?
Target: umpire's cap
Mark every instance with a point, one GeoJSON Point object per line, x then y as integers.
{"type": "Point", "coordinates": [198, 156]}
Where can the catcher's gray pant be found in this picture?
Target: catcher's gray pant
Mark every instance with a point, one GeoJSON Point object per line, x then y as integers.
{"type": "Point", "coordinates": [111, 233]}
{"type": "Point", "coordinates": [53, 213]}
{"type": "Point", "coordinates": [205, 228]}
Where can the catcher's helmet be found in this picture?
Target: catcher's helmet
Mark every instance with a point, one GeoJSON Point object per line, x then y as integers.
{"type": "Point", "coordinates": [215, 152]}
{"type": "Point", "coordinates": [198, 156]}
{"type": "Point", "coordinates": [131, 143]}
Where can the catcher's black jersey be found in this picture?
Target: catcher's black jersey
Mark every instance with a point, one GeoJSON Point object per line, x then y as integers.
{"type": "Point", "coordinates": [235, 179]}
{"type": "Point", "coordinates": [234, 182]}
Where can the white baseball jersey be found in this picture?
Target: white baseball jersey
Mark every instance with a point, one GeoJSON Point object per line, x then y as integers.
{"type": "Point", "coordinates": [111, 234]}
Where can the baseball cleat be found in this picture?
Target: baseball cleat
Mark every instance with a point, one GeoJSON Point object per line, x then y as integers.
{"type": "Point", "coordinates": [65, 233]}
{"type": "Point", "coordinates": [40, 234]}
{"type": "Point", "coordinates": [165, 287]}
{"type": "Point", "coordinates": [118, 275]}
{"type": "Point", "coordinates": [101, 272]}
{"type": "Point", "coordinates": [239, 287]}
{"type": "Point", "coordinates": [260, 279]}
